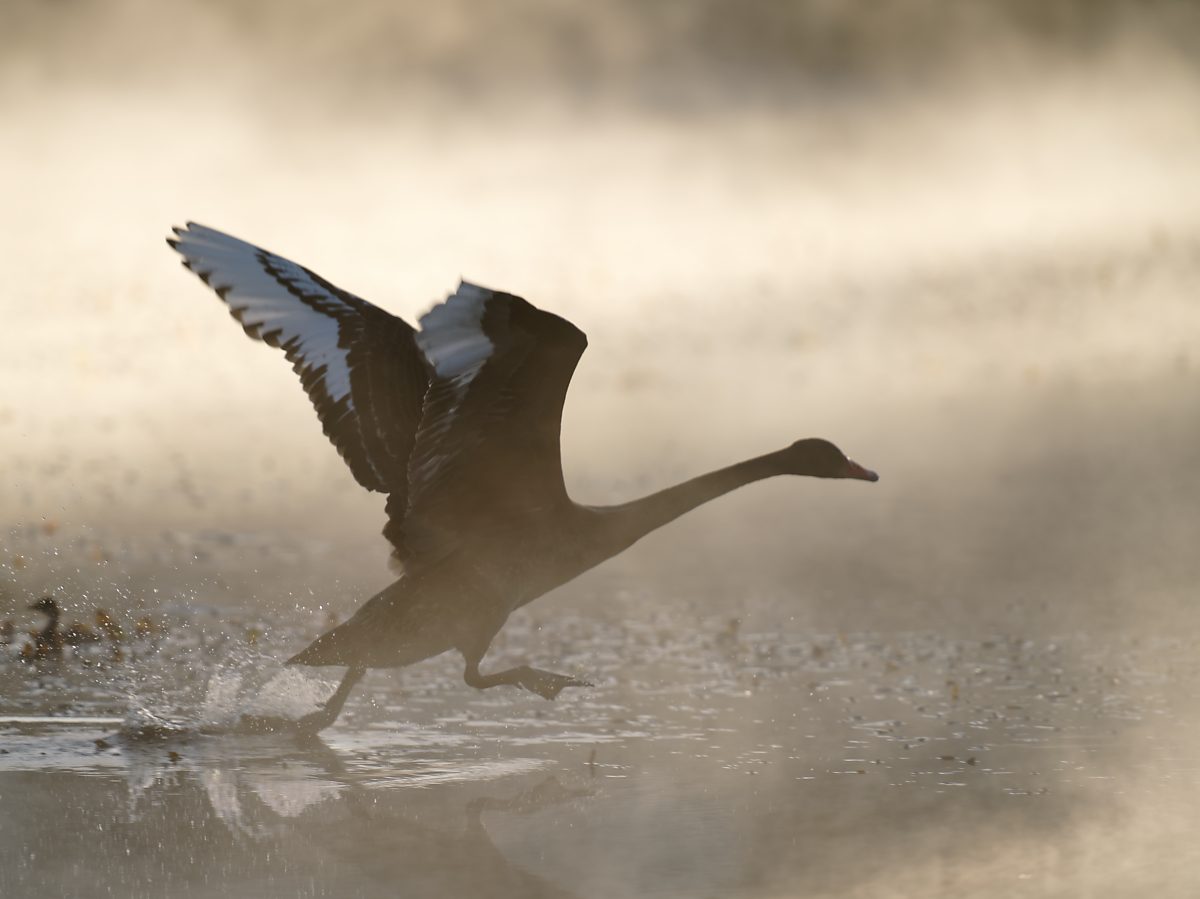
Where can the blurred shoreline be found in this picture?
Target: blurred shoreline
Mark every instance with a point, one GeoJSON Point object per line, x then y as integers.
{"type": "Point", "coordinates": [679, 57]}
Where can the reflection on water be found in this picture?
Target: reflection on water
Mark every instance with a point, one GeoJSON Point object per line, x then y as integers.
{"type": "Point", "coordinates": [291, 820]}
{"type": "Point", "coordinates": [708, 761]}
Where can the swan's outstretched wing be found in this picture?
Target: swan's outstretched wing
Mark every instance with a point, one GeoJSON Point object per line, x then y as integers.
{"type": "Point", "coordinates": [486, 459]}
{"type": "Point", "coordinates": [360, 365]}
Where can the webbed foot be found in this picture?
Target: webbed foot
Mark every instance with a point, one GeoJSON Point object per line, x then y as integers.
{"type": "Point", "coordinates": [264, 724]}
{"type": "Point", "coordinates": [315, 722]}
{"type": "Point", "coordinates": [547, 684]}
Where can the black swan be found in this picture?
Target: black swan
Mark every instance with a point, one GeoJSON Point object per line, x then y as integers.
{"type": "Point", "coordinates": [458, 423]}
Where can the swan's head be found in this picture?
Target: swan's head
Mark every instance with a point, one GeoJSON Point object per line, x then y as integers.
{"type": "Point", "coordinates": [817, 458]}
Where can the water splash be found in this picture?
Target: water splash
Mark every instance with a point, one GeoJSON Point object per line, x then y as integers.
{"type": "Point", "coordinates": [242, 684]}
{"type": "Point", "coordinates": [260, 688]}
{"type": "Point", "coordinates": [141, 723]}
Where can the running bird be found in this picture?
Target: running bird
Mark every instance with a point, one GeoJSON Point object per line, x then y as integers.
{"type": "Point", "coordinates": [458, 423]}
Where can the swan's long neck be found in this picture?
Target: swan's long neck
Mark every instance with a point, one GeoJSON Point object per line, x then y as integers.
{"type": "Point", "coordinates": [630, 522]}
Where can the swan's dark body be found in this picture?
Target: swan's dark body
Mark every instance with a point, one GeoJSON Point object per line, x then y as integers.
{"type": "Point", "coordinates": [459, 424]}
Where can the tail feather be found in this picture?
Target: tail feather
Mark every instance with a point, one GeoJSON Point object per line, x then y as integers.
{"type": "Point", "coordinates": [371, 637]}
{"type": "Point", "coordinates": [324, 650]}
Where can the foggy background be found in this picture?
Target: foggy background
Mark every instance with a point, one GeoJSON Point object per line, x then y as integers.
{"type": "Point", "coordinates": [961, 240]}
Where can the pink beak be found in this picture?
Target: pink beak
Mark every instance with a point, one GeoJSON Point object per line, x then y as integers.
{"type": "Point", "coordinates": [854, 470]}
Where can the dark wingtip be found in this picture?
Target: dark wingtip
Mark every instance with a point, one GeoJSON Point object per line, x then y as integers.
{"type": "Point", "coordinates": [173, 242]}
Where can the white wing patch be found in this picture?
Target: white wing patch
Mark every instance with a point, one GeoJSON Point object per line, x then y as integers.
{"type": "Point", "coordinates": [451, 335]}
{"type": "Point", "coordinates": [275, 300]}
{"type": "Point", "coordinates": [453, 341]}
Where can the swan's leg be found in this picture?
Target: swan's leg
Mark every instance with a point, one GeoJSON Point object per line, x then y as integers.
{"type": "Point", "coordinates": [546, 684]}
{"type": "Point", "coordinates": [329, 711]}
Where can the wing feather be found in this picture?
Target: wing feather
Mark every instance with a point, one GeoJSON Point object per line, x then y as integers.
{"type": "Point", "coordinates": [458, 423]}
{"type": "Point", "coordinates": [486, 455]}
{"type": "Point", "coordinates": [359, 365]}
